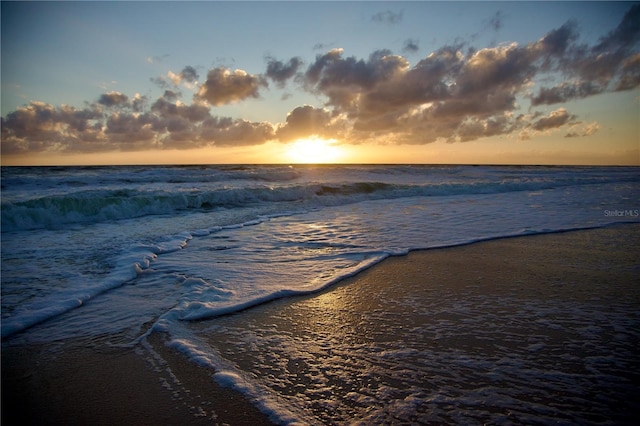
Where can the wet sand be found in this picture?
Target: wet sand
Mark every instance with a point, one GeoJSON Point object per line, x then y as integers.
{"type": "Point", "coordinates": [89, 383]}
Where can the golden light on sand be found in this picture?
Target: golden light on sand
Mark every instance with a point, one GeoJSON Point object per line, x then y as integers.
{"type": "Point", "coordinates": [314, 150]}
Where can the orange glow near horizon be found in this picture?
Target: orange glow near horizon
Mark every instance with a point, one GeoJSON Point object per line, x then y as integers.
{"type": "Point", "coordinates": [314, 150]}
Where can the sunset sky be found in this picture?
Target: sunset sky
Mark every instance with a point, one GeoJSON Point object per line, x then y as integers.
{"type": "Point", "coordinates": [355, 82]}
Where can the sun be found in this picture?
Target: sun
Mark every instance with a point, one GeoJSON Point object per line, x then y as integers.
{"type": "Point", "coordinates": [314, 150]}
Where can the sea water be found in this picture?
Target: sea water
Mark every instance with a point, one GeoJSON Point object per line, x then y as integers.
{"type": "Point", "coordinates": [133, 250]}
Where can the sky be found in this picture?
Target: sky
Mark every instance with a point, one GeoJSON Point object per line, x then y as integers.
{"type": "Point", "coordinates": [286, 82]}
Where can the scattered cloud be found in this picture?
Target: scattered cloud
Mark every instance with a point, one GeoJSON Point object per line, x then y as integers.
{"type": "Point", "coordinates": [411, 45]}
{"type": "Point", "coordinates": [456, 93]}
{"type": "Point", "coordinates": [582, 129]}
{"type": "Point", "coordinates": [323, 46]}
{"type": "Point", "coordinates": [279, 72]}
{"type": "Point", "coordinates": [555, 119]}
{"type": "Point", "coordinates": [224, 86]}
{"type": "Point", "coordinates": [156, 59]}
{"type": "Point", "coordinates": [565, 91]}
{"type": "Point", "coordinates": [112, 99]}
{"type": "Point", "coordinates": [496, 21]}
{"type": "Point", "coordinates": [387, 17]}
{"type": "Point", "coordinates": [188, 77]}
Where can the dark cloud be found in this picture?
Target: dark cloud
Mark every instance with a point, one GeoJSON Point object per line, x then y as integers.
{"type": "Point", "coordinates": [229, 131]}
{"type": "Point", "coordinates": [555, 119]}
{"type": "Point", "coordinates": [609, 64]}
{"type": "Point", "coordinates": [557, 42]}
{"type": "Point", "coordinates": [280, 72]}
{"type": "Point", "coordinates": [565, 91]}
{"type": "Point", "coordinates": [496, 21]}
{"type": "Point", "coordinates": [625, 36]}
{"type": "Point", "coordinates": [630, 75]}
{"type": "Point", "coordinates": [161, 82]}
{"type": "Point", "coordinates": [189, 74]}
{"type": "Point", "coordinates": [343, 79]}
{"type": "Point", "coordinates": [490, 25]}
{"type": "Point", "coordinates": [456, 93]}
{"type": "Point", "coordinates": [113, 98]}
{"type": "Point", "coordinates": [40, 127]}
{"type": "Point", "coordinates": [410, 45]}
{"type": "Point", "coordinates": [504, 68]}
{"type": "Point", "coordinates": [223, 86]}
{"type": "Point", "coordinates": [193, 113]}
{"type": "Point", "coordinates": [387, 17]}
{"type": "Point", "coordinates": [323, 46]}
{"type": "Point", "coordinates": [130, 130]}
{"type": "Point", "coordinates": [475, 128]}
{"type": "Point", "coordinates": [39, 121]}
{"type": "Point", "coordinates": [305, 121]}
{"type": "Point", "coordinates": [171, 96]}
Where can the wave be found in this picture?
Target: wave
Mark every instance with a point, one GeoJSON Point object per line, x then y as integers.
{"type": "Point", "coordinates": [99, 205]}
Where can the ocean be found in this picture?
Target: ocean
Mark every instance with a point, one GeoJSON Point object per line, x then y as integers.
{"type": "Point", "coordinates": [128, 251]}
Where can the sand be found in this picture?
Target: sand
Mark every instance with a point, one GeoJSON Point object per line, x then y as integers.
{"type": "Point", "coordinates": [84, 383]}
{"type": "Point", "coordinates": [89, 383]}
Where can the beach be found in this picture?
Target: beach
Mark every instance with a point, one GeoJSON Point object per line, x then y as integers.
{"type": "Point", "coordinates": [517, 299]}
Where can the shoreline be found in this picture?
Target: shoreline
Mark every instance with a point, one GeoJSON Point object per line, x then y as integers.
{"type": "Point", "coordinates": [86, 382]}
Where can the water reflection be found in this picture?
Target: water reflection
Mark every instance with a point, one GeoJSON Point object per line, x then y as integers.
{"type": "Point", "coordinates": [426, 353]}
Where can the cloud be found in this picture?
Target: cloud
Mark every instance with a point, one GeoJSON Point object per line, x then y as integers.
{"type": "Point", "coordinates": [555, 119]}
{"type": "Point", "coordinates": [344, 79]}
{"type": "Point", "coordinates": [39, 126]}
{"type": "Point", "coordinates": [305, 121]}
{"type": "Point", "coordinates": [557, 41]}
{"type": "Point", "coordinates": [223, 86]}
{"type": "Point", "coordinates": [188, 76]}
{"type": "Point", "coordinates": [323, 46]}
{"type": "Point", "coordinates": [496, 21]}
{"type": "Point", "coordinates": [612, 64]}
{"type": "Point", "coordinates": [630, 74]}
{"type": "Point", "coordinates": [625, 36]}
{"type": "Point", "coordinates": [193, 113]}
{"type": "Point", "coordinates": [582, 129]}
{"type": "Point", "coordinates": [612, 59]}
{"type": "Point", "coordinates": [387, 17]}
{"type": "Point", "coordinates": [228, 131]}
{"type": "Point", "coordinates": [171, 95]}
{"type": "Point", "coordinates": [130, 130]}
{"type": "Point", "coordinates": [42, 127]}
{"type": "Point", "coordinates": [459, 95]}
{"type": "Point", "coordinates": [156, 59]}
{"type": "Point", "coordinates": [161, 82]}
{"type": "Point", "coordinates": [456, 93]}
{"type": "Point", "coordinates": [113, 98]}
{"type": "Point", "coordinates": [280, 72]}
{"type": "Point", "coordinates": [565, 91]}
{"type": "Point", "coordinates": [475, 128]}
{"type": "Point", "coordinates": [410, 45]}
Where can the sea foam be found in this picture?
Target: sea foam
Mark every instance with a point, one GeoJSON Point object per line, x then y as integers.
{"type": "Point", "coordinates": [270, 233]}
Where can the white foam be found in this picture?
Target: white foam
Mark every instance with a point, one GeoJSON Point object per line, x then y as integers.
{"type": "Point", "coordinates": [276, 237]}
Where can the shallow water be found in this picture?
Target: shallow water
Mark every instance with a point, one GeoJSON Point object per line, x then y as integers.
{"type": "Point", "coordinates": [419, 351]}
{"type": "Point", "coordinates": [128, 251]}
